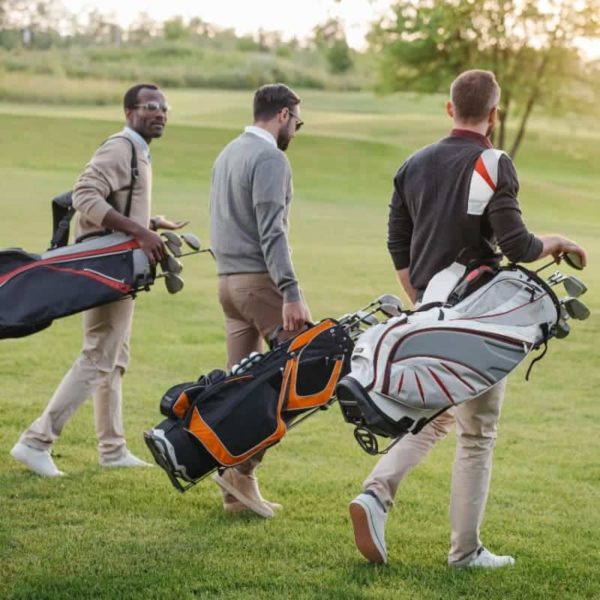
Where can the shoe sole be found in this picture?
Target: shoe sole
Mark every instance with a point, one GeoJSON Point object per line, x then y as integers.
{"type": "Point", "coordinates": [263, 511]}
{"type": "Point", "coordinates": [363, 536]}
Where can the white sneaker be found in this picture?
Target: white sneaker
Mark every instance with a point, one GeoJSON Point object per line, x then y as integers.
{"type": "Point", "coordinates": [368, 520]}
{"type": "Point", "coordinates": [485, 559]}
{"type": "Point", "coordinates": [127, 460]}
{"type": "Point", "coordinates": [38, 461]}
{"type": "Point", "coordinates": [245, 490]}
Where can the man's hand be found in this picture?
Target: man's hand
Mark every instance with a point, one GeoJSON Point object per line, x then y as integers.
{"type": "Point", "coordinates": [151, 243]}
{"type": "Point", "coordinates": [404, 279]}
{"type": "Point", "coordinates": [294, 315]}
{"type": "Point", "coordinates": [556, 245]}
{"type": "Point", "coordinates": [160, 222]}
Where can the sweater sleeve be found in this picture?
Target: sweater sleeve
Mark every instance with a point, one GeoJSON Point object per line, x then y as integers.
{"type": "Point", "coordinates": [400, 225]}
{"type": "Point", "coordinates": [109, 170]}
{"type": "Point", "coordinates": [504, 214]}
{"type": "Point", "coordinates": [269, 191]}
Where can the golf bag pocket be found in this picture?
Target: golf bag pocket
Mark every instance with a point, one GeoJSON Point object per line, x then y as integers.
{"type": "Point", "coordinates": [240, 419]}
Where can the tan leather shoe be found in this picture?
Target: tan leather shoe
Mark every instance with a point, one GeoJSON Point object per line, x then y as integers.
{"type": "Point", "coordinates": [235, 506]}
{"type": "Point", "coordinates": [245, 490]}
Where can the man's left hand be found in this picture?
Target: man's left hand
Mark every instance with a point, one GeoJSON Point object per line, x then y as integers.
{"type": "Point", "coordinates": [160, 222]}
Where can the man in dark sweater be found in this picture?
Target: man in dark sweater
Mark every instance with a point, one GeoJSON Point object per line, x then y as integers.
{"type": "Point", "coordinates": [250, 200]}
{"type": "Point", "coordinates": [447, 198]}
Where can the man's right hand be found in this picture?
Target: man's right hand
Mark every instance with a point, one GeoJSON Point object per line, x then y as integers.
{"type": "Point", "coordinates": [151, 243]}
{"type": "Point", "coordinates": [556, 245]}
{"type": "Point", "coordinates": [294, 315]}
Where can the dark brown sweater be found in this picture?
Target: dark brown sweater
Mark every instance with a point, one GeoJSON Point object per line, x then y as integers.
{"type": "Point", "coordinates": [428, 223]}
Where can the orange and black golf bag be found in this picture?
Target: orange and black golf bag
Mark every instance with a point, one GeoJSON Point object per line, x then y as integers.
{"type": "Point", "coordinates": [223, 419]}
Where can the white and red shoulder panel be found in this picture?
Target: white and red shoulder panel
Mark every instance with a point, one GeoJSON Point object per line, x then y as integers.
{"type": "Point", "coordinates": [484, 181]}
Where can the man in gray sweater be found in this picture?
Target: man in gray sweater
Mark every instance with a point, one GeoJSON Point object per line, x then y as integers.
{"type": "Point", "coordinates": [249, 204]}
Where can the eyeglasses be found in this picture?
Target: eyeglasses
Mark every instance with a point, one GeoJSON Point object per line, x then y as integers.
{"type": "Point", "coordinates": [299, 121]}
{"type": "Point", "coordinates": [154, 107]}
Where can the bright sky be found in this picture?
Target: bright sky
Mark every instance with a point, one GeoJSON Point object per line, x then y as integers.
{"type": "Point", "coordinates": [292, 18]}
{"type": "Point", "coordinates": [247, 16]}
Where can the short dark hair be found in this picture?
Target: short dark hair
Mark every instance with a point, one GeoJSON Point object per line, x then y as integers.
{"type": "Point", "coordinates": [131, 95]}
{"type": "Point", "coordinates": [272, 98]}
{"type": "Point", "coordinates": [474, 94]}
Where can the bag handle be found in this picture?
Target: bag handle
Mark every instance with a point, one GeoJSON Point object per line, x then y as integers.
{"type": "Point", "coordinates": [273, 339]}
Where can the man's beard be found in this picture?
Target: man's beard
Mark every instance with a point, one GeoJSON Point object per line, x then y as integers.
{"type": "Point", "coordinates": [283, 140]}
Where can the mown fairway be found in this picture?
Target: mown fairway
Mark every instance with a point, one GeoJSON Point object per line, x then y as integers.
{"type": "Point", "coordinates": [129, 534]}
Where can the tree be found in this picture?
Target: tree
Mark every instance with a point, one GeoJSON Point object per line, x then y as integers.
{"type": "Point", "coordinates": [330, 38]}
{"type": "Point", "coordinates": [530, 46]}
{"type": "Point", "coordinates": [36, 24]}
{"type": "Point", "coordinates": [175, 29]}
{"type": "Point", "coordinates": [143, 29]}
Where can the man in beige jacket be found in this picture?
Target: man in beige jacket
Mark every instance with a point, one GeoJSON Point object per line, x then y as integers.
{"type": "Point", "coordinates": [100, 197]}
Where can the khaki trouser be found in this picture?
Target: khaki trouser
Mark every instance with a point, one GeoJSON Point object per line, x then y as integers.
{"type": "Point", "coordinates": [97, 372]}
{"type": "Point", "coordinates": [476, 427]}
{"type": "Point", "coordinates": [252, 305]}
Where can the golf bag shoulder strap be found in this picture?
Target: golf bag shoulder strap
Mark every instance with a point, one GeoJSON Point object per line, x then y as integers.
{"type": "Point", "coordinates": [62, 205]}
{"type": "Point", "coordinates": [134, 171]}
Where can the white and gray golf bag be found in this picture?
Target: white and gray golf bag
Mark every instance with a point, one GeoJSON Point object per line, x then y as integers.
{"type": "Point", "coordinates": [408, 370]}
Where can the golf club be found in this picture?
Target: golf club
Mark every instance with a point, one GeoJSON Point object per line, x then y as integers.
{"type": "Point", "coordinates": [573, 260]}
{"type": "Point", "coordinates": [173, 282]}
{"type": "Point", "coordinates": [191, 240]}
{"type": "Point", "coordinates": [367, 317]}
{"type": "Point", "coordinates": [172, 242]}
{"type": "Point", "coordinates": [562, 329]}
{"type": "Point", "coordinates": [574, 286]}
{"type": "Point", "coordinates": [575, 308]}
{"type": "Point", "coordinates": [171, 265]}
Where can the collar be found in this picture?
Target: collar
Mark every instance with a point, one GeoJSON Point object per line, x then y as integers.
{"type": "Point", "coordinates": [138, 139]}
{"type": "Point", "coordinates": [261, 133]}
{"type": "Point", "coordinates": [472, 135]}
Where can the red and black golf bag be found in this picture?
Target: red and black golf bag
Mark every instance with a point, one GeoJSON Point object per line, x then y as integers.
{"type": "Point", "coordinates": [36, 289]}
{"type": "Point", "coordinates": [223, 419]}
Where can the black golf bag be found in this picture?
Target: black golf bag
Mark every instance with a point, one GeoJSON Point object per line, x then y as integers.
{"type": "Point", "coordinates": [223, 419]}
{"type": "Point", "coordinates": [36, 289]}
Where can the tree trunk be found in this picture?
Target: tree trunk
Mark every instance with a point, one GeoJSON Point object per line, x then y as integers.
{"type": "Point", "coordinates": [530, 104]}
{"type": "Point", "coordinates": [502, 117]}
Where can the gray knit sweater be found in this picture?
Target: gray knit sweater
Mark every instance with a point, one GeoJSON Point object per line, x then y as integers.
{"type": "Point", "coordinates": [249, 203]}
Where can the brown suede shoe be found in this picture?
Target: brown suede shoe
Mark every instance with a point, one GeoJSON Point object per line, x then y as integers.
{"type": "Point", "coordinates": [245, 490]}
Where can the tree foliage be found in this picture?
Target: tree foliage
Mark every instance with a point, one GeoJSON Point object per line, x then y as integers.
{"type": "Point", "coordinates": [330, 38]}
{"type": "Point", "coordinates": [530, 45]}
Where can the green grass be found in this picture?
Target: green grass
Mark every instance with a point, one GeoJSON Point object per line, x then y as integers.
{"type": "Point", "coordinates": [123, 534]}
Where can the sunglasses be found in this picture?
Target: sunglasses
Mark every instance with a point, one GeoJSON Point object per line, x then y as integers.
{"type": "Point", "coordinates": [299, 121]}
{"type": "Point", "coordinates": [154, 107]}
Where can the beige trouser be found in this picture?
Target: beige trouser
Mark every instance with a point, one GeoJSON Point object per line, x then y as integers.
{"type": "Point", "coordinates": [97, 372]}
{"type": "Point", "coordinates": [252, 305]}
{"type": "Point", "coordinates": [476, 427]}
